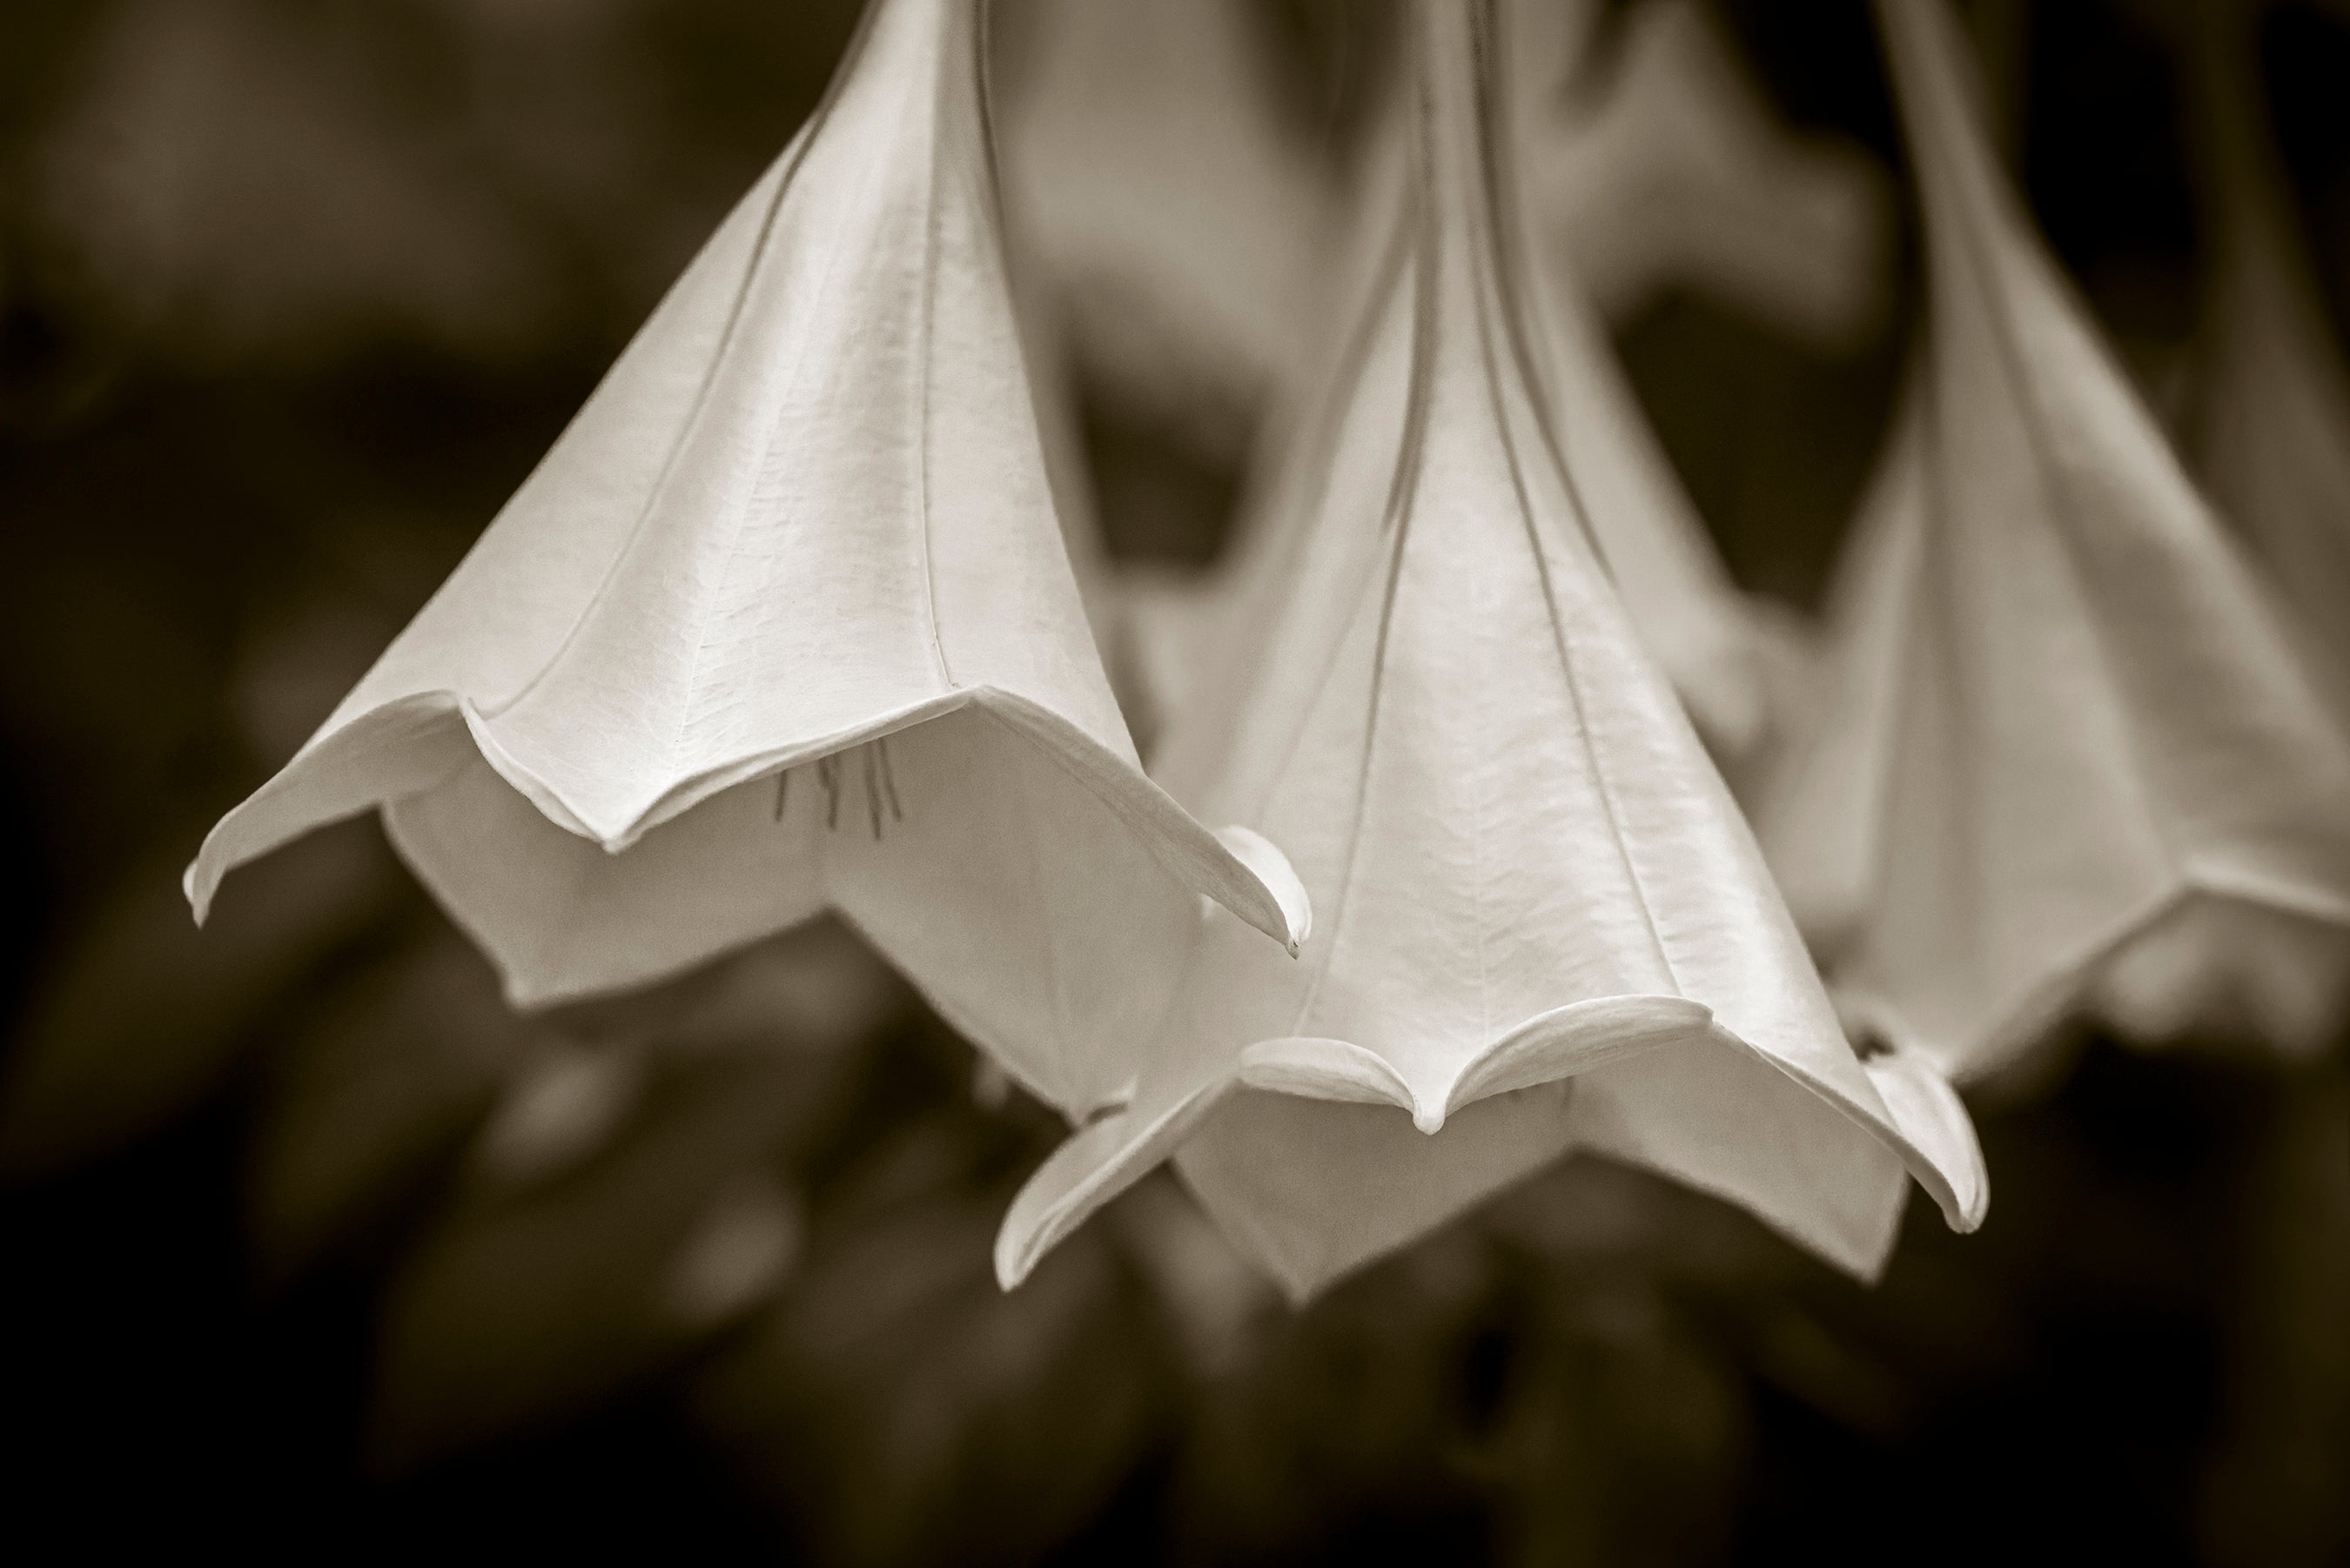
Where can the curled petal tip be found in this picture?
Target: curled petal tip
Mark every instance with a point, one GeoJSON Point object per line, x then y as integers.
{"type": "Point", "coordinates": [1012, 1265]}
{"type": "Point", "coordinates": [1429, 1120]}
{"type": "Point", "coordinates": [198, 891]}
{"type": "Point", "coordinates": [1029, 1233]}
{"type": "Point", "coordinates": [1265, 862]}
{"type": "Point", "coordinates": [1969, 1204]}
{"type": "Point", "coordinates": [1930, 1123]}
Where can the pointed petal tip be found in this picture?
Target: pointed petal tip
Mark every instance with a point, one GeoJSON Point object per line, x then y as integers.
{"type": "Point", "coordinates": [1031, 1225]}
{"type": "Point", "coordinates": [1931, 1127]}
{"type": "Point", "coordinates": [197, 888]}
{"type": "Point", "coordinates": [1971, 1214]}
{"type": "Point", "coordinates": [1087, 1170]}
{"type": "Point", "coordinates": [1962, 1195]}
{"type": "Point", "coordinates": [1290, 918]}
{"type": "Point", "coordinates": [1297, 1290]}
{"type": "Point", "coordinates": [1869, 1272]}
{"type": "Point", "coordinates": [1043, 1212]}
{"type": "Point", "coordinates": [1429, 1120]}
{"type": "Point", "coordinates": [1015, 1258]}
{"type": "Point", "coordinates": [1968, 1200]}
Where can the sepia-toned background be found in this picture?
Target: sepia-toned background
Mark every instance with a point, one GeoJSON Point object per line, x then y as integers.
{"type": "Point", "coordinates": [309, 1248]}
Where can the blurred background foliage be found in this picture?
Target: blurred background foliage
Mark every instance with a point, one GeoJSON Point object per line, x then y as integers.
{"type": "Point", "coordinates": [313, 1250]}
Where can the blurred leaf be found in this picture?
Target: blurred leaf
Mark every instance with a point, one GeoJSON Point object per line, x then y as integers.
{"type": "Point", "coordinates": [1587, 1214]}
{"type": "Point", "coordinates": [914, 1411]}
{"type": "Point", "coordinates": [816, 990]}
{"type": "Point", "coordinates": [747, 1244]}
{"type": "Point", "coordinates": [522, 1308]}
{"type": "Point", "coordinates": [2278, 1491]}
{"type": "Point", "coordinates": [1622, 1434]}
{"type": "Point", "coordinates": [1360, 1405]}
{"type": "Point", "coordinates": [144, 1010]}
{"type": "Point", "coordinates": [563, 1104]}
{"type": "Point", "coordinates": [361, 1105]}
{"type": "Point", "coordinates": [1214, 1298]}
{"type": "Point", "coordinates": [204, 124]}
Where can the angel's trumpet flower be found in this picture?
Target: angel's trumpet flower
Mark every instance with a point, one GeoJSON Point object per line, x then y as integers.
{"type": "Point", "coordinates": [1546, 925]}
{"type": "Point", "coordinates": [2270, 438]}
{"type": "Point", "coordinates": [785, 620]}
{"type": "Point", "coordinates": [2070, 714]}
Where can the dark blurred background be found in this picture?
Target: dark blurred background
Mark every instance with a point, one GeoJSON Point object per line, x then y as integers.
{"type": "Point", "coordinates": [311, 1251]}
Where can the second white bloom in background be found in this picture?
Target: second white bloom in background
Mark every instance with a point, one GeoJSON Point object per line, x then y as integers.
{"type": "Point", "coordinates": [2270, 438]}
{"type": "Point", "coordinates": [2073, 726]}
{"type": "Point", "coordinates": [2270, 434]}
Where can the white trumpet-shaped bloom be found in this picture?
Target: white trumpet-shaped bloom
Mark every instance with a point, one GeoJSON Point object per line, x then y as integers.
{"type": "Point", "coordinates": [2270, 438]}
{"type": "Point", "coordinates": [2068, 712]}
{"type": "Point", "coordinates": [785, 621]}
{"type": "Point", "coordinates": [1545, 927]}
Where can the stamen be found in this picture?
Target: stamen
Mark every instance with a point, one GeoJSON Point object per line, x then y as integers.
{"type": "Point", "coordinates": [782, 791]}
{"type": "Point", "coordinates": [1868, 1045]}
{"type": "Point", "coordinates": [881, 788]}
{"type": "Point", "coordinates": [827, 774]}
{"type": "Point", "coordinates": [889, 780]}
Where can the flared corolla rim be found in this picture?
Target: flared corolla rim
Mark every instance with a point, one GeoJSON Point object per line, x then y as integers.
{"type": "Point", "coordinates": [1595, 1031]}
{"type": "Point", "coordinates": [2015, 1027]}
{"type": "Point", "coordinates": [1236, 867]}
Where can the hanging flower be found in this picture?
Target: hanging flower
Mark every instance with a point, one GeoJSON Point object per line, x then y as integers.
{"type": "Point", "coordinates": [1547, 928]}
{"type": "Point", "coordinates": [2070, 713]}
{"type": "Point", "coordinates": [2270, 438]}
{"type": "Point", "coordinates": [785, 620]}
